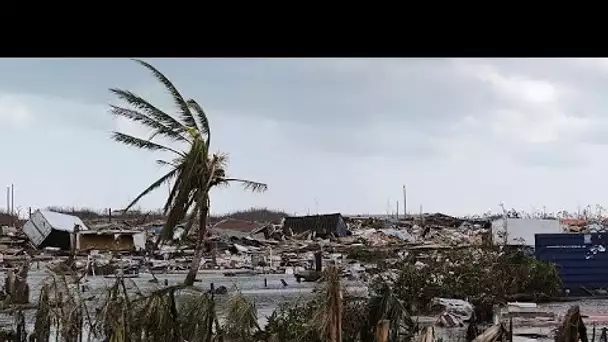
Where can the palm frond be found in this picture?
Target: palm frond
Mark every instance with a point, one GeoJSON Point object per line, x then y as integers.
{"type": "Point", "coordinates": [202, 119]}
{"type": "Point", "coordinates": [188, 179]}
{"type": "Point", "coordinates": [187, 116]}
{"type": "Point", "coordinates": [241, 317]}
{"type": "Point", "coordinates": [141, 143]}
{"type": "Point", "coordinates": [187, 189]}
{"type": "Point", "coordinates": [145, 120]}
{"type": "Point", "coordinates": [198, 316]}
{"type": "Point", "coordinates": [192, 217]}
{"type": "Point", "coordinates": [153, 187]}
{"type": "Point", "coordinates": [327, 319]}
{"type": "Point", "coordinates": [179, 212]}
{"type": "Point", "coordinates": [220, 159]}
{"type": "Point", "coordinates": [141, 104]}
{"type": "Point", "coordinates": [247, 184]}
{"type": "Point", "coordinates": [165, 163]}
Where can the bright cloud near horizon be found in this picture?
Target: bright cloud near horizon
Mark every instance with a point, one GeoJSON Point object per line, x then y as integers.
{"type": "Point", "coordinates": [327, 135]}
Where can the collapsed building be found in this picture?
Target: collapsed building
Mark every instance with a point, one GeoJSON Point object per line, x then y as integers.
{"type": "Point", "coordinates": [319, 225]}
{"type": "Point", "coordinates": [61, 231]}
{"type": "Point", "coordinates": [51, 229]}
{"type": "Point", "coordinates": [235, 243]}
{"type": "Point", "coordinates": [111, 240]}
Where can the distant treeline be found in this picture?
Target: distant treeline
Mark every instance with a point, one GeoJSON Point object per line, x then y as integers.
{"type": "Point", "coordinates": [92, 214]}
{"type": "Point", "coordinates": [255, 214]}
{"type": "Point", "coordinates": [251, 214]}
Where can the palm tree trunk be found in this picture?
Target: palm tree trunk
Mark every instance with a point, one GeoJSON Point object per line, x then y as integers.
{"type": "Point", "coordinates": [200, 244]}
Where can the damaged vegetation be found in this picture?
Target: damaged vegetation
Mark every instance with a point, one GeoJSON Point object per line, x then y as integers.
{"type": "Point", "coordinates": [177, 313]}
{"type": "Point", "coordinates": [407, 267]}
{"type": "Point", "coordinates": [193, 169]}
{"type": "Point", "coordinates": [64, 314]}
{"type": "Point", "coordinates": [121, 312]}
{"type": "Point", "coordinates": [485, 276]}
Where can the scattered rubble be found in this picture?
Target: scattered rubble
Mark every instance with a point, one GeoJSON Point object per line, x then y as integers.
{"type": "Point", "coordinates": [440, 249]}
{"type": "Point", "coordinates": [115, 245]}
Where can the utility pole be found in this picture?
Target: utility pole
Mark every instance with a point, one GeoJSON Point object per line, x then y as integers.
{"type": "Point", "coordinates": [404, 203]}
{"type": "Point", "coordinates": [397, 210]}
{"type": "Point", "coordinates": [12, 199]}
{"type": "Point", "coordinates": [388, 208]}
{"type": "Point", "coordinates": [8, 200]}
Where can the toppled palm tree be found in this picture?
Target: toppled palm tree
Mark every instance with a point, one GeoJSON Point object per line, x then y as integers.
{"type": "Point", "coordinates": [194, 171]}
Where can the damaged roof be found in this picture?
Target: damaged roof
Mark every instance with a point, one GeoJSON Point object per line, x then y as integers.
{"type": "Point", "coordinates": [325, 224]}
{"type": "Point", "coordinates": [63, 222]}
{"type": "Point", "coordinates": [234, 224]}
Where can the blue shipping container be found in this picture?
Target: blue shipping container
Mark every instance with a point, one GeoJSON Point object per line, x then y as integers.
{"type": "Point", "coordinates": [582, 259]}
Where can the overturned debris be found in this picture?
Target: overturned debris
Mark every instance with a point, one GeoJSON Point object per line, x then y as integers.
{"type": "Point", "coordinates": [16, 286]}
{"type": "Point", "coordinates": [572, 328]}
{"type": "Point", "coordinates": [494, 333]}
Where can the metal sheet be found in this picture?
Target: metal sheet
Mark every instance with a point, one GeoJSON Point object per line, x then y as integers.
{"type": "Point", "coordinates": [582, 259]}
{"type": "Point", "coordinates": [63, 222]}
{"type": "Point", "coordinates": [522, 231]}
{"type": "Point", "coordinates": [37, 228]}
{"type": "Point", "coordinates": [139, 241]}
{"type": "Point", "coordinates": [41, 223]}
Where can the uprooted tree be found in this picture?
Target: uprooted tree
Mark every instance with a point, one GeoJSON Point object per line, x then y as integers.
{"type": "Point", "coordinates": [194, 171]}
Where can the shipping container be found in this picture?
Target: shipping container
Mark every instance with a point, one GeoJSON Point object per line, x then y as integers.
{"type": "Point", "coordinates": [582, 260]}
{"type": "Point", "coordinates": [521, 231]}
{"type": "Point", "coordinates": [51, 229]}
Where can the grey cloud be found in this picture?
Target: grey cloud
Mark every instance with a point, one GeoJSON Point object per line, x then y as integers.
{"type": "Point", "coordinates": [423, 120]}
{"type": "Point", "coordinates": [362, 142]}
{"type": "Point", "coordinates": [550, 157]}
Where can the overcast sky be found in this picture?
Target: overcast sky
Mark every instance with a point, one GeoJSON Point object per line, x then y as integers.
{"type": "Point", "coordinates": [327, 135]}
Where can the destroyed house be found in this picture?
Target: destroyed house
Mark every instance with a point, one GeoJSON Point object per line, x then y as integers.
{"type": "Point", "coordinates": [232, 227]}
{"type": "Point", "coordinates": [321, 225]}
{"type": "Point", "coordinates": [51, 229]}
{"type": "Point", "coordinates": [111, 240]}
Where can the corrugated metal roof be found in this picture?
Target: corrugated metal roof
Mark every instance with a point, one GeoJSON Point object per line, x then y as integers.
{"type": "Point", "coordinates": [63, 222]}
{"type": "Point", "coordinates": [235, 224]}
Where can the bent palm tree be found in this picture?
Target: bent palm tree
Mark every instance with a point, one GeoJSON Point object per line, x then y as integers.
{"type": "Point", "coordinates": [193, 171]}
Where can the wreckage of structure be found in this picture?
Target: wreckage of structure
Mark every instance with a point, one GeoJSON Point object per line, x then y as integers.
{"type": "Point", "coordinates": [301, 245]}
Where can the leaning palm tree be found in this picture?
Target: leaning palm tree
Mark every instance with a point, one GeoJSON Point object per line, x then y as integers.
{"type": "Point", "coordinates": [193, 171]}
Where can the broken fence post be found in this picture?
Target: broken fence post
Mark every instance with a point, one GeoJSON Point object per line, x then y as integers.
{"type": "Point", "coordinates": [593, 337]}
{"type": "Point", "coordinates": [318, 261]}
{"type": "Point", "coordinates": [510, 337]}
